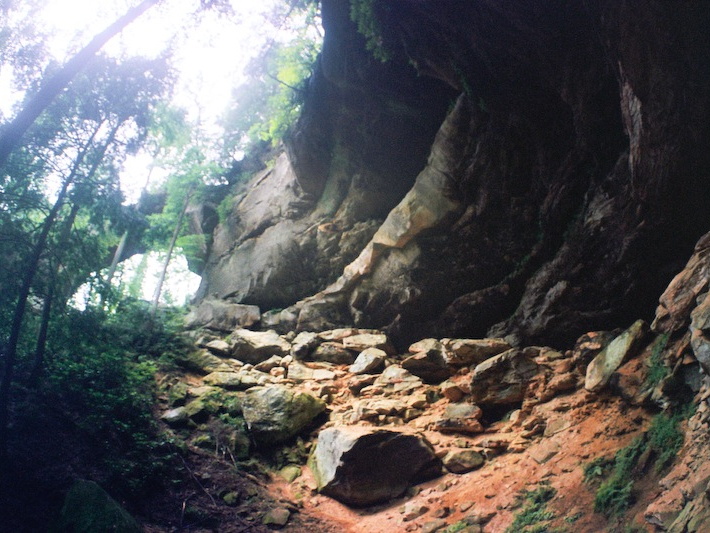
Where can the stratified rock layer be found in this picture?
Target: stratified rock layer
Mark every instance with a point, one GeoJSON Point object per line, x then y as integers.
{"type": "Point", "coordinates": [562, 188]}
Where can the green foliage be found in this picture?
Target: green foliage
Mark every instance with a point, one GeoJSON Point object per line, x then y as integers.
{"type": "Point", "coordinates": [269, 102]}
{"type": "Point", "coordinates": [663, 439]}
{"type": "Point", "coordinates": [103, 370]}
{"type": "Point", "coordinates": [615, 494]}
{"type": "Point", "coordinates": [531, 518]}
{"type": "Point", "coordinates": [597, 468]}
{"type": "Point", "coordinates": [456, 527]}
{"type": "Point", "coordinates": [88, 508]}
{"type": "Point", "coordinates": [657, 369]}
{"type": "Point", "coordinates": [363, 14]}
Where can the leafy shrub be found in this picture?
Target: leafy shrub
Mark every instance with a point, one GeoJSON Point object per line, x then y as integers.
{"type": "Point", "coordinates": [362, 13]}
{"type": "Point", "coordinates": [657, 369]}
{"type": "Point", "coordinates": [529, 519]}
{"type": "Point", "coordinates": [663, 439]}
{"type": "Point", "coordinates": [102, 372]}
{"type": "Point", "coordinates": [597, 468]}
{"type": "Point", "coordinates": [615, 494]}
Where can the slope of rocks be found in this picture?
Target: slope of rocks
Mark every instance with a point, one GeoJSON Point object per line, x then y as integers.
{"type": "Point", "coordinates": [452, 432]}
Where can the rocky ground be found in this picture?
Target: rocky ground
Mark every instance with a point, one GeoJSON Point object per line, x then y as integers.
{"type": "Point", "coordinates": [486, 421]}
{"type": "Point", "coordinates": [339, 431]}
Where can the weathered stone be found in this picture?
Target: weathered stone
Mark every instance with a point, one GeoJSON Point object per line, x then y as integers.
{"type": "Point", "coordinates": [269, 364]}
{"type": "Point", "coordinates": [362, 341]}
{"type": "Point", "coordinates": [544, 451]}
{"type": "Point", "coordinates": [202, 362]}
{"type": "Point", "coordinates": [198, 410]}
{"type": "Point", "coordinates": [323, 374]}
{"type": "Point", "coordinates": [290, 472]}
{"type": "Point", "coordinates": [461, 418]}
{"type": "Point", "coordinates": [502, 379]}
{"type": "Point", "coordinates": [451, 391]}
{"type": "Point", "coordinates": [397, 379]}
{"type": "Point", "coordinates": [338, 334]}
{"type": "Point", "coordinates": [276, 517]}
{"type": "Point", "coordinates": [700, 333]}
{"type": "Point", "coordinates": [225, 380]}
{"type": "Point", "coordinates": [355, 385]}
{"type": "Point", "coordinates": [333, 352]}
{"type": "Point", "coordinates": [412, 510]}
{"type": "Point", "coordinates": [433, 525]}
{"type": "Point", "coordinates": [461, 352]}
{"type": "Point", "coordinates": [276, 414]}
{"type": "Point", "coordinates": [257, 346]}
{"type": "Point", "coordinates": [681, 296]}
{"type": "Point", "coordinates": [620, 350]}
{"type": "Point", "coordinates": [177, 395]}
{"type": "Point", "coordinates": [462, 461]}
{"type": "Point", "coordinates": [372, 409]}
{"type": "Point", "coordinates": [427, 346]}
{"type": "Point", "coordinates": [252, 378]}
{"type": "Point", "coordinates": [88, 508]}
{"type": "Point", "coordinates": [370, 361]}
{"type": "Point", "coordinates": [304, 343]}
{"type": "Point", "coordinates": [360, 466]}
{"type": "Point", "coordinates": [175, 417]}
{"type": "Point", "coordinates": [222, 316]}
{"type": "Point", "coordinates": [299, 372]}
{"type": "Point", "coordinates": [219, 347]}
{"type": "Point", "coordinates": [429, 365]}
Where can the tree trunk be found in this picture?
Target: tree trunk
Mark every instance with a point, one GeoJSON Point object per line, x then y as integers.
{"type": "Point", "coordinates": [21, 305]}
{"type": "Point", "coordinates": [13, 132]}
{"type": "Point", "coordinates": [173, 240]}
{"type": "Point", "coordinates": [49, 297]}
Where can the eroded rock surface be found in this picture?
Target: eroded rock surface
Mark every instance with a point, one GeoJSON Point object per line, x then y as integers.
{"type": "Point", "coordinates": [361, 466]}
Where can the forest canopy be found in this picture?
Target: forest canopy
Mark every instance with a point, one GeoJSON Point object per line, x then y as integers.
{"type": "Point", "coordinates": [78, 133]}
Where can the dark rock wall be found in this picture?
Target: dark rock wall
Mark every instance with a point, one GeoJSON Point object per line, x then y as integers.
{"type": "Point", "coordinates": [581, 167]}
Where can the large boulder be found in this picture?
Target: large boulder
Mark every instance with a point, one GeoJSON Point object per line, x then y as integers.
{"type": "Point", "coordinates": [462, 352]}
{"type": "Point", "coordinates": [503, 379]}
{"type": "Point", "coordinates": [222, 316]}
{"type": "Point", "coordinates": [257, 346]}
{"type": "Point", "coordinates": [700, 333]}
{"type": "Point", "coordinates": [620, 350]}
{"type": "Point", "coordinates": [681, 296]}
{"type": "Point", "coordinates": [276, 414]}
{"type": "Point", "coordinates": [88, 509]}
{"type": "Point", "coordinates": [360, 466]}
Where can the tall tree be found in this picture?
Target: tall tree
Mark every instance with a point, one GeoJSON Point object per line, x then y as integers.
{"type": "Point", "coordinates": [105, 112]}
{"type": "Point", "coordinates": [12, 133]}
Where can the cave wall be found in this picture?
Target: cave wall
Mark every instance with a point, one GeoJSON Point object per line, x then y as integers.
{"type": "Point", "coordinates": [562, 192]}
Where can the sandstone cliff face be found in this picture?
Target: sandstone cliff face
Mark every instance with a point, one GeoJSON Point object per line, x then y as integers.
{"type": "Point", "coordinates": [564, 188]}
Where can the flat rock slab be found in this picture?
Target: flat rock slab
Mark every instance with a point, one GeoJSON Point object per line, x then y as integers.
{"type": "Point", "coordinates": [370, 361]}
{"type": "Point", "coordinates": [620, 350]}
{"type": "Point", "coordinates": [222, 316]}
{"type": "Point", "coordinates": [462, 461]}
{"type": "Point", "coordinates": [461, 352]}
{"type": "Point", "coordinates": [361, 466]}
{"type": "Point", "coordinates": [257, 346]}
{"type": "Point", "coordinates": [503, 379]}
{"type": "Point", "coordinates": [363, 341]}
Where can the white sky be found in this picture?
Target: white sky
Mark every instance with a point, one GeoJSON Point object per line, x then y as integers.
{"type": "Point", "coordinates": [210, 55]}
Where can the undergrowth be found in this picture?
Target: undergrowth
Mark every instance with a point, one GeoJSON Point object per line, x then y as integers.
{"type": "Point", "coordinates": [534, 517]}
{"type": "Point", "coordinates": [657, 369]}
{"type": "Point", "coordinates": [102, 375]}
{"type": "Point", "coordinates": [661, 442]}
